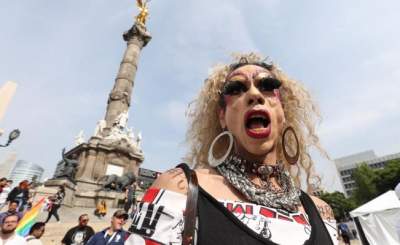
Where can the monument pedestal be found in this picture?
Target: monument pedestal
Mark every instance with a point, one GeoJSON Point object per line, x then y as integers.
{"type": "Point", "coordinates": [95, 159]}
{"type": "Point", "coordinates": [80, 194]}
{"type": "Point", "coordinates": [70, 188]}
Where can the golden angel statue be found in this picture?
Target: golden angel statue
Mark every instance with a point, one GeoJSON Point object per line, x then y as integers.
{"type": "Point", "coordinates": [144, 11]}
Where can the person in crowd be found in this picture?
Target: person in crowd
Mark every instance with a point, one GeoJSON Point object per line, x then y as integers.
{"type": "Point", "coordinates": [12, 209]}
{"type": "Point", "coordinates": [57, 200]}
{"type": "Point", "coordinates": [3, 183]}
{"type": "Point", "coordinates": [20, 193]}
{"type": "Point", "coordinates": [354, 233]}
{"type": "Point", "coordinates": [4, 194]}
{"type": "Point", "coordinates": [80, 234]}
{"type": "Point", "coordinates": [130, 197]}
{"type": "Point", "coordinates": [344, 232]}
{"type": "Point", "coordinates": [249, 136]}
{"type": "Point", "coordinates": [101, 209]}
{"type": "Point", "coordinates": [35, 233]}
{"type": "Point", "coordinates": [115, 234]}
{"type": "Point", "coordinates": [8, 236]}
{"type": "Point", "coordinates": [47, 204]}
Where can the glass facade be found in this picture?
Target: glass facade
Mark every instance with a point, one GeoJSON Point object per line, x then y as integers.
{"type": "Point", "coordinates": [24, 170]}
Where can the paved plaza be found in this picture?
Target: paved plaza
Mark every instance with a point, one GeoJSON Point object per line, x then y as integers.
{"type": "Point", "coordinates": [69, 218]}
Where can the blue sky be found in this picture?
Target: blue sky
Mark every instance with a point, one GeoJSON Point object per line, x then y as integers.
{"type": "Point", "coordinates": [64, 55]}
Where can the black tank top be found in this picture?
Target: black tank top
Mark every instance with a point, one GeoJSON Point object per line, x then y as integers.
{"type": "Point", "coordinates": [218, 226]}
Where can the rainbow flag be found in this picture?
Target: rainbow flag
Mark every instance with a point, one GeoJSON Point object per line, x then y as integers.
{"type": "Point", "coordinates": [29, 218]}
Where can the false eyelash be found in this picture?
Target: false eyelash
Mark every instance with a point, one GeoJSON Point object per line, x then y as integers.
{"type": "Point", "coordinates": [269, 84]}
{"type": "Point", "coordinates": [234, 88]}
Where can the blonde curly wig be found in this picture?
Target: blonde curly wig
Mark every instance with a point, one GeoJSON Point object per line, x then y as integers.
{"type": "Point", "coordinates": [300, 112]}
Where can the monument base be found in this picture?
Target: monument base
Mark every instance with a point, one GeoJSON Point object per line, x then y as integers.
{"type": "Point", "coordinates": [83, 193]}
{"type": "Point", "coordinates": [70, 188]}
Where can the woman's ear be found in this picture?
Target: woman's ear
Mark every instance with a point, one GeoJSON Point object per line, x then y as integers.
{"type": "Point", "coordinates": [221, 116]}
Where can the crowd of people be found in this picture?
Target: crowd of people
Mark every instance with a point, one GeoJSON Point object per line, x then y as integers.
{"type": "Point", "coordinates": [15, 202]}
{"type": "Point", "coordinates": [18, 201]}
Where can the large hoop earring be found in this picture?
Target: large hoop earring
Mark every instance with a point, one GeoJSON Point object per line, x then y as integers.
{"type": "Point", "coordinates": [212, 161]}
{"type": "Point", "coordinates": [292, 160]}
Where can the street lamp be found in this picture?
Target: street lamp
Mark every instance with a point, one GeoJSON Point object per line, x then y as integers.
{"type": "Point", "coordinates": [12, 136]}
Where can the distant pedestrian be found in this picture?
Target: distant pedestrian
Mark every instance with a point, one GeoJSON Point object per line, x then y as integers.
{"type": "Point", "coordinates": [20, 193]}
{"type": "Point", "coordinates": [130, 197]}
{"type": "Point", "coordinates": [80, 234]}
{"type": "Point", "coordinates": [57, 200]}
{"type": "Point", "coordinates": [344, 232]}
{"type": "Point", "coordinates": [115, 234]}
{"type": "Point", "coordinates": [101, 209]}
{"type": "Point", "coordinates": [4, 194]}
{"type": "Point", "coordinates": [35, 233]}
{"type": "Point", "coordinates": [3, 183]}
{"type": "Point", "coordinates": [354, 233]}
{"type": "Point", "coordinates": [12, 209]}
{"type": "Point", "coordinates": [8, 236]}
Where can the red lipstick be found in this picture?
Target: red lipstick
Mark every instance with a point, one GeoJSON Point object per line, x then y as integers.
{"type": "Point", "coordinates": [257, 124]}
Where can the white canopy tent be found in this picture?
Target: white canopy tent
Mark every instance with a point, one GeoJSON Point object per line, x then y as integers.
{"type": "Point", "coordinates": [378, 219]}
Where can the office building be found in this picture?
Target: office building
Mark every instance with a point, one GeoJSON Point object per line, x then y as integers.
{"type": "Point", "coordinates": [346, 166]}
{"type": "Point", "coordinates": [24, 170]}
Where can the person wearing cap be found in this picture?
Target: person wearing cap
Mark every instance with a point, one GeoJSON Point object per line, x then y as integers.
{"type": "Point", "coordinates": [113, 235]}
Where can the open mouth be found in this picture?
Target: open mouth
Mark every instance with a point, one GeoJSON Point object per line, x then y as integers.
{"type": "Point", "coordinates": [258, 124]}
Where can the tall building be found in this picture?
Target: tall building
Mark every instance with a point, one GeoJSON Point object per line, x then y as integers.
{"type": "Point", "coordinates": [346, 166]}
{"type": "Point", "coordinates": [24, 170]}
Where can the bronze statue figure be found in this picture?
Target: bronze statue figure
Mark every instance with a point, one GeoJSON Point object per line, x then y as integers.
{"type": "Point", "coordinates": [117, 183]}
{"type": "Point", "coordinates": [70, 167]}
{"type": "Point", "coordinates": [144, 11]}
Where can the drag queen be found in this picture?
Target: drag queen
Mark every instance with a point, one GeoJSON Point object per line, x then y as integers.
{"type": "Point", "coordinates": [250, 132]}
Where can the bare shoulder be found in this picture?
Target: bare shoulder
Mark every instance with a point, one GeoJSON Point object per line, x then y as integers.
{"type": "Point", "coordinates": [172, 180]}
{"type": "Point", "coordinates": [323, 208]}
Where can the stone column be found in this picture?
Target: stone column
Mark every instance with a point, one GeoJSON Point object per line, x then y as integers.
{"type": "Point", "coordinates": [90, 161]}
{"type": "Point", "coordinates": [120, 97]}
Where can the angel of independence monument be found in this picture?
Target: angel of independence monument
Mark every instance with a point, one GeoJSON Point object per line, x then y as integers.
{"type": "Point", "coordinates": [100, 168]}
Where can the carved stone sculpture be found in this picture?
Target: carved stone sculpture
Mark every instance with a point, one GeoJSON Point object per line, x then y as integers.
{"type": "Point", "coordinates": [99, 128]}
{"type": "Point", "coordinates": [79, 139]}
{"type": "Point", "coordinates": [122, 120]}
{"type": "Point", "coordinates": [139, 140]}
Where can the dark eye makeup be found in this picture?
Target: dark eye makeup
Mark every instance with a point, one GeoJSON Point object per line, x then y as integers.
{"type": "Point", "coordinates": [268, 84]}
{"type": "Point", "coordinates": [234, 88]}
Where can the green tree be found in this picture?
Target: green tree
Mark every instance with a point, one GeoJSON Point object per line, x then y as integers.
{"type": "Point", "coordinates": [340, 205]}
{"type": "Point", "coordinates": [388, 177]}
{"type": "Point", "coordinates": [365, 178]}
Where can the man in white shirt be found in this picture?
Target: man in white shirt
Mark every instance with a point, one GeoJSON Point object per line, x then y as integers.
{"type": "Point", "coordinates": [35, 233]}
{"type": "Point", "coordinates": [8, 234]}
